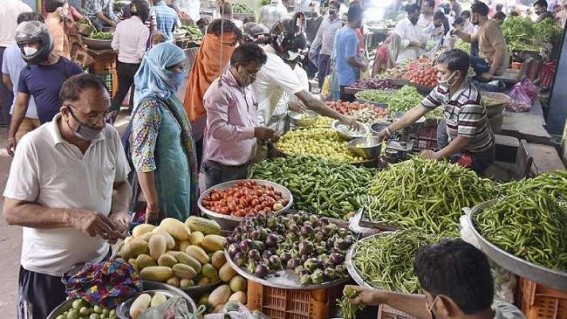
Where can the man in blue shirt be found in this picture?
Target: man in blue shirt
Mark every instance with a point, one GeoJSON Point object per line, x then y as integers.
{"type": "Point", "coordinates": [42, 78]}
{"type": "Point", "coordinates": [166, 18]}
{"type": "Point", "coordinates": [348, 63]}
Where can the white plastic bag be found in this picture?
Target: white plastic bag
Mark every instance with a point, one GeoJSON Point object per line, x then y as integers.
{"type": "Point", "coordinates": [504, 281]}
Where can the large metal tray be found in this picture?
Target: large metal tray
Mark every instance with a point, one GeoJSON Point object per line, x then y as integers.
{"type": "Point", "coordinates": [351, 268]}
{"type": "Point", "coordinates": [545, 276]}
{"type": "Point", "coordinates": [282, 279]}
{"type": "Point", "coordinates": [231, 222]}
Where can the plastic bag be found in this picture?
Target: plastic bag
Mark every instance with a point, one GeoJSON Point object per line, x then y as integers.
{"type": "Point", "coordinates": [504, 281]}
{"type": "Point", "coordinates": [326, 86]}
{"type": "Point", "coordinates": [236, 310]}
{"type": "Point", "coordinates": [529, 88]}
{"type": "Point", "coordinates": [107, 283]}
{"type": "Point", "coordinates": [174, 308]}
{"type": "Point", "coordinates": [520, 101]}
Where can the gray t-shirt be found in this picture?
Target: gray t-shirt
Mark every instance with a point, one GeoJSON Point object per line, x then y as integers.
{"type": "Point", "coordinates": [504, 310]}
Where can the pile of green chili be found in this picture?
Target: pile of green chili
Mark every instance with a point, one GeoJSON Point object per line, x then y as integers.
{"type": "Point", "coordinates": [425, 194]}
{"type": "Point", "coordinates": [386, 261]}
{"type": "Point", "coordinates": [552, 183]}
{"type": "Point", "coordinates": [530, 226]}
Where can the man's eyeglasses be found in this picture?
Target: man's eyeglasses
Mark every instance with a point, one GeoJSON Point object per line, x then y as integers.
{"type": "Point", "coordinates": [93, 118]}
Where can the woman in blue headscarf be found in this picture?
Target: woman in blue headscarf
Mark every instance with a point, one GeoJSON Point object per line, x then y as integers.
{"type": "Point", "coordinates": [162, 148]}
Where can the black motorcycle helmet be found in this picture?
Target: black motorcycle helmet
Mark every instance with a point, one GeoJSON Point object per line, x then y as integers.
{"type": "Point", "coordinates": [34, 32]}
{"type": "Point", "coordinates": [288, 36]}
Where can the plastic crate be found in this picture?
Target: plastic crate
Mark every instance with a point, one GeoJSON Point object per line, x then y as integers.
{"type": "Point", "coordinates": [278, 303]}
{"type": "Point", "coordinates": [540, 302]}
{"type": "Point", "coordinates": [387, 312]}
{"type": "Point", "coordinates": [425, 138]}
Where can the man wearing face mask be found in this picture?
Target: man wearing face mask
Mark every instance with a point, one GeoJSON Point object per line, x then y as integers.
{"type": "Point", "coordinates": [57, 10]}
{"type": "Point", "coordinates": [325, 40]}
{"type": "Point", "coordinates": [464, 136]}
{"type": "Point", "coordinates": [493, 51]}
{"type": "Point", "coordinates": [68, 189]}
{"type": "Point", "coordinates": [413, 37]}
{"type": "Point", "coordinates": [232, 124]}
{"type": "Point", "coordinates": [42, 78]}
{"type": "Point", "coordinates": [287, 43]}
{"type": "Point", "coordinates": [540, 8]}
{"type": "Point", "coordinates": [456, 282]}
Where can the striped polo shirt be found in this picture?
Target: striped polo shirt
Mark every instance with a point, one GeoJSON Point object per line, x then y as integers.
{"type": "Point", "coordinates": [464, 115]}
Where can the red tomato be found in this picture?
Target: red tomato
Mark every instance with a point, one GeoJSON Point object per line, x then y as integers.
{"type": "Point", "coordinates": [215, 196]}
{"type": "Point", "coordinates": [243, 202]}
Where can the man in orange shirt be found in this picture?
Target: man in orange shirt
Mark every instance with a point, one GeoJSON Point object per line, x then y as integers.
{"type": "Point", "coordinates": [56, 11]}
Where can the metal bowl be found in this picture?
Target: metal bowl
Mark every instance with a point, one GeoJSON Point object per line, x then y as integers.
{"type": "Point", "coordinates": [348, 133]}
{"type": "Point", "coordinates": [377, 127]}
{"type": "Point", "coordinates": [146, 286]}
{"type": "Point", "coordinates": [123, 310]}
{"type": "Point", "coordinates": [368, 147]}
{"type": "Point", "coordinates": [538, 273]}
{"type": "Point", "coordinates": [304, 119]}
{"type": "Point", "coordinates": [231, 222]}
{"type": "Point", "coordinates": [96, 44]}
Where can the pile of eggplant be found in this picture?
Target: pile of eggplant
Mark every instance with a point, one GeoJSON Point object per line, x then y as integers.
{"type": "Point", "coordinates": [309, 245]}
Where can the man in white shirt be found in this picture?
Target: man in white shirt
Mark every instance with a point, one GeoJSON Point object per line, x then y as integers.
{"type": "Point", "coordinates": [456, 282]}
{"type": "Point", "coordinates": [276, 76]}
{"type": "Point", "coordinates": [413, 37]}
{"type": "Point", "coordinates": [9, 12]}
{"type": "Point", "coordinates": [188, 10]}
{"type": "Point", "coordinates": [12, 66]}
{"type": "Point", "coordinates": [68, 188]}
{"type": "Point", "coordinates": [130, 41]}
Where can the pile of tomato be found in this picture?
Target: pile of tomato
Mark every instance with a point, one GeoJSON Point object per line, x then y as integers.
{"type": "Point", "coordinates": [244, 199]}
{"type": "Point", "coordinates": [423, 75]}
{"type": "Point", "coordinates": [348, 108]}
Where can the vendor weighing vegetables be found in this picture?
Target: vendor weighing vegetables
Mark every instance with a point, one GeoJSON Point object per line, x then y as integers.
{"type": "Point", "coordinates": [456, 282]}
{"type": "Point", "coordinates": [464, 135]}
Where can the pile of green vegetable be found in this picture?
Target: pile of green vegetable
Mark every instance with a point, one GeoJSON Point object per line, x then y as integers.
{"type": "Point", "coordinates": [398, 101]}
{"type": "Point", "coordinates": [386, 261]}
{"type": "Point", "coordinates": [193, 31]}
{"type": "Point", "coordinates": [241, 8]}
{"type": "Point", "coordinates": [426, 195]}
{"type": "Point", "coordinates": [101, 35]}
{"type": "Point", "coordinates": [552, 183]}
{"type": "Point", "coordinates": [524, 34]}
{"type": "Point", "coordinates": [348, 310]}
{"type": "Point", "coordinates": [462, 45]}
{"type": "Point", "coordinates": [318, 186]}
{"type": "Point", "coordinates": [311, 246]}
{"type": "Point", "coordinates": [530, 226]}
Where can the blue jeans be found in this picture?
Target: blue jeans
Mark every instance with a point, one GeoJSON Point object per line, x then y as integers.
{"type": "Point", "coordinates": [480, 161]}
{"type": "Point", "coordinates": [479, 65]}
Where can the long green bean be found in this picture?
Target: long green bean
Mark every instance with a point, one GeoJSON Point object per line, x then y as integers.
{"type": "Point", "coordinates": [386, 261]}
{"type": "Point", "coordinates": [425, 194]}
{"type": "Point", "coordinates": [553, 183]}
{"type": "Point", "coordinates": [318, 186]}
{"type": "Point", "coordinates": [530, 226]}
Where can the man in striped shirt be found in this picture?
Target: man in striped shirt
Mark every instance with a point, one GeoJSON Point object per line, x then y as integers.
{"type": "Point", "coordinates": [464, 136]}
{"type": "Point", "coordinates": [166, 18]}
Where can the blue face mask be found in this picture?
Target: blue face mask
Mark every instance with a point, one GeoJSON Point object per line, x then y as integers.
{"type": "Point", "coordinates": [176, 79]}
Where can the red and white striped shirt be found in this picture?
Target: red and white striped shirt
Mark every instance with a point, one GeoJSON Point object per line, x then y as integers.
{"type": "Point", "coordinates": [464, 115]}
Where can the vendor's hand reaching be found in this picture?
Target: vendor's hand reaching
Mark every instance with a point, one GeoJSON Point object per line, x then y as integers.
{"type": "Point", "coordinates": [263, 133]}
{"type": "Point", "coordinates": [296, 107]}
{"type": "Point", "coordinates": [429, 154]}
{"type": "Point", "coordinates": [366, 296]}
{"type": "Point", "coordinates": [152, 214]}
{"type": "Point", "coordinates": [349, 121]}
{"type": "Point", "coordinates": [96, 224]}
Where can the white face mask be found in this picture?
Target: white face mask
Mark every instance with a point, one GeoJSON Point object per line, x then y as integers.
{"type": "Point", "coordinates": [293, 55]}
{"type": "Point", "coordinates": [446, 83]}
{"type": "Point", "coordinates": [30, 50]}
